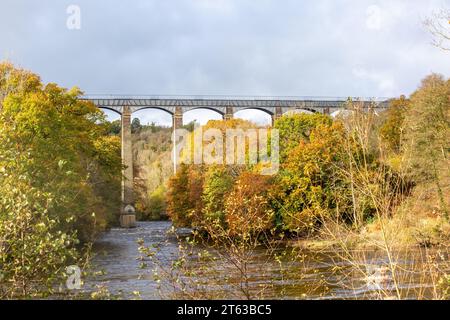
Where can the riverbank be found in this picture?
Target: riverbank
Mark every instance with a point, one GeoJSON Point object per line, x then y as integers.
{"type": "Point", "coordinates": [397, 233]}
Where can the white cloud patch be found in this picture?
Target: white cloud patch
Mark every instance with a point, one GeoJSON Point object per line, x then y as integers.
{"type": "Point", "coordinates": [374, 17]}
{"type": "Point", "coordinates": [385, 82]}
{"type": "Point", "coordinates": [222, 6]}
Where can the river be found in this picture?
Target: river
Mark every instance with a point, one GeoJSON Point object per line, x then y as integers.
{"type": "Point", "coordinates": [312, 275]}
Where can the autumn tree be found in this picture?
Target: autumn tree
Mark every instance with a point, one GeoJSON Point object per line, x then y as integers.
{"type": "Point", "coordinates": [195, 187]}
{"type": "Point", "coordinates": [178, 201]}
{"type": "Point", "coordinates": [248, 210]}
{"type": "Point", "coordinates": [196, 193]}
{"type": "Point", "coordinates": [427, 136]}
{"type": "Point", "coordinates": [293, 129]}
{"type": "Point", "coordinates": [309, 179]}
{"type": "Point", "coordinates": [392, 129]}
{"type": "Point", "coordinates": [57, 168]}
{"type": "Point", "coordinates": [219, 181]}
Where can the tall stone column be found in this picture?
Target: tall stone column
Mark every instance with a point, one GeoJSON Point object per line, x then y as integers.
{"type": "Point", "coordinates": [229, 113]}
{"type": "Point", "coordinates": [128, 214]}
{"type": "Point", "coordinates": [277, 115]}
{"type": "Point", "coordinates": [177, 118]}
{"type": "Point", "coordinates": [177, 123]}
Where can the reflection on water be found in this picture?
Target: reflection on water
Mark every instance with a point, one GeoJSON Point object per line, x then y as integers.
{"type": "Point", "coordinates": [313, 275]}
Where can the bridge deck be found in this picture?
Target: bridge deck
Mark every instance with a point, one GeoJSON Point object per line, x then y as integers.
{"type": "Point", "coordinates": [218, 103]}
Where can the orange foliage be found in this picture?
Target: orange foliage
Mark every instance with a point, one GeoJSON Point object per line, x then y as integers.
{"type": "Point", "coordinates": [247, 208]}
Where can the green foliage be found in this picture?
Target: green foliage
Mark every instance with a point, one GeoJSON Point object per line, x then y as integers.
{"type": "Point", "coordinates": [195, 197]}
{"type": "Point", "coordinates": [33, 250]}
{"type": "Point", "coordinates": [427, 137]}
{"type": "Point", "coordinates": [195, 187]}
{"type": "Point", "coordinates": [296, 128]}
{"type": "Point", "coordinates": [309, 179]}
{"type": "Point", "coordinates": [178, 202]}
{"type": "Point", "coordinates": [392, 129]}
{"type": "Point", "coordinates": [105, 178]}
{"type": "Point", "coordinates": [58, 169]}
{"type": "Point", "coordinates": [339, 170]}
{"type": "Point", "coordinates": [190, 126]}
{"type": "Point", "coordinates": [13, 80]}
{"type": "Point", "coordinates": [152, 168]}
{"type": "Point", "coordinates": [136, 126]}
{"type": "Point", "coordinates": [156, 205]}
{"type": "Point", "coordinates": [219, 181]}
{"type": "Point", "coordinates": [114, 128]}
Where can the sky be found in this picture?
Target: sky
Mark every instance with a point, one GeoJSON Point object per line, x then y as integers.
{"type": "Point", "coordinates": [333, 48]}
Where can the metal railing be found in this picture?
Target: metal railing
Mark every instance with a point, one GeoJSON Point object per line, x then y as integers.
{"type": "Point", "coordinates": [228, 97]}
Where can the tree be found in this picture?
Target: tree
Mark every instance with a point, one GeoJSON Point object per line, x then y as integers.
{"type": "Point", "coordinates": [13, 80]}
{"type": "Point", "coordinates": [309, 179]}
{"type": "Point", "coordinates": [195, 187]}
{"type": "Point", "coordinates": [190, 126]}
{"type": "Point", "coordinates": [248, 210]}
{"type": "Point", "coordinates": [294, 129]}
{"type": "Point", "coordinates": [57, 168]}
{"type": "Point", "coordinates": [439, 27]}
{"type": "Point", "coordinates": [194, 198]}
{"type": "Point", "coordinates": [114, 128]}
{"type": "Point", "coordinates": [219, 181]}
{"type": "Point", "coordinates": [427, 136]}
{"type": "Point", "coordinates": [156, 203]}
{"type": "Point", "coordinates": [392, 129]}
{"type": "Point", "coordinates": [184, 196]}
{"type": "Point", "coordinates": [136, 126]}
{"type": "Point", "coordinates": [33, 250]}
{"type": "Point", "coordinates": [105, 178]}
{"type": "Point", "coordinates": [178, 201]}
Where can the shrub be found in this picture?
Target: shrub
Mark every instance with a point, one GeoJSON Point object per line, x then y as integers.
{"type": "Point", "coordinates": [218, 183]}
{"type": "Point", "coordinates": [195, 186]}
{"type": "Point", "coordinates": [33, 249]}
{"type": "Point", "coordinates": [247, 207]}
{"type": "Point", "coordinates": [392, 129]}
{"type": "Point", "coordinates": [294, 129]}
{"type": "Point", "coordinates": [184, 196]}
{"type": "Point", "coordinates": [58, 169]}
{"type": "Point", "coordinates": [178, 200]}
{"type": "Point", "coordinates": [309, 179]}
{"type": "Point", "coordinates": [427, 137]}
{"type": "Point", "coordinates": [156, 204]}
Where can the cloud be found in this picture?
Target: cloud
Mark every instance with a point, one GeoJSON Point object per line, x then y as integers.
{"type": "Point", "coordinates": [374, 17]}
{"type": "Point", "coordinates": [227, 47]}
{"type": "Point", "coordinates": [385, 83]}
{"type": "Point", "coordinates": [222, 6]}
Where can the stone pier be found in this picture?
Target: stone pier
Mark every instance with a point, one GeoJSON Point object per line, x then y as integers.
{"type": "Point", "coordinates": [127, 214]}
{"type": "Point", "coordinates": [177, 123]}
{"type": "Point", "coordinates": [177, 118]}
{"type": "Point", "coordinates": [277, 115]}
{"type": "Point", "coordinates": [229, 113]}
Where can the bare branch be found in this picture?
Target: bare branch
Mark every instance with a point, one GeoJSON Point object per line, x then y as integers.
{"type": "Point", "coordinates": [439, 27]}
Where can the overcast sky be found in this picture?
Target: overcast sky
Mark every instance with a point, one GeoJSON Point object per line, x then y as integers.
{"type": "Point", "coordinates": [232, 47]}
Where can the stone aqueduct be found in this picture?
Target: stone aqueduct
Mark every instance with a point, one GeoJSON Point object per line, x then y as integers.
{"type": "Point", "coordinates": [226, 106]}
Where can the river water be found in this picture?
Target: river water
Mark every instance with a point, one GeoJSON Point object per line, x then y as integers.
{"type": "Point", "coordinates": [311, 275]}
